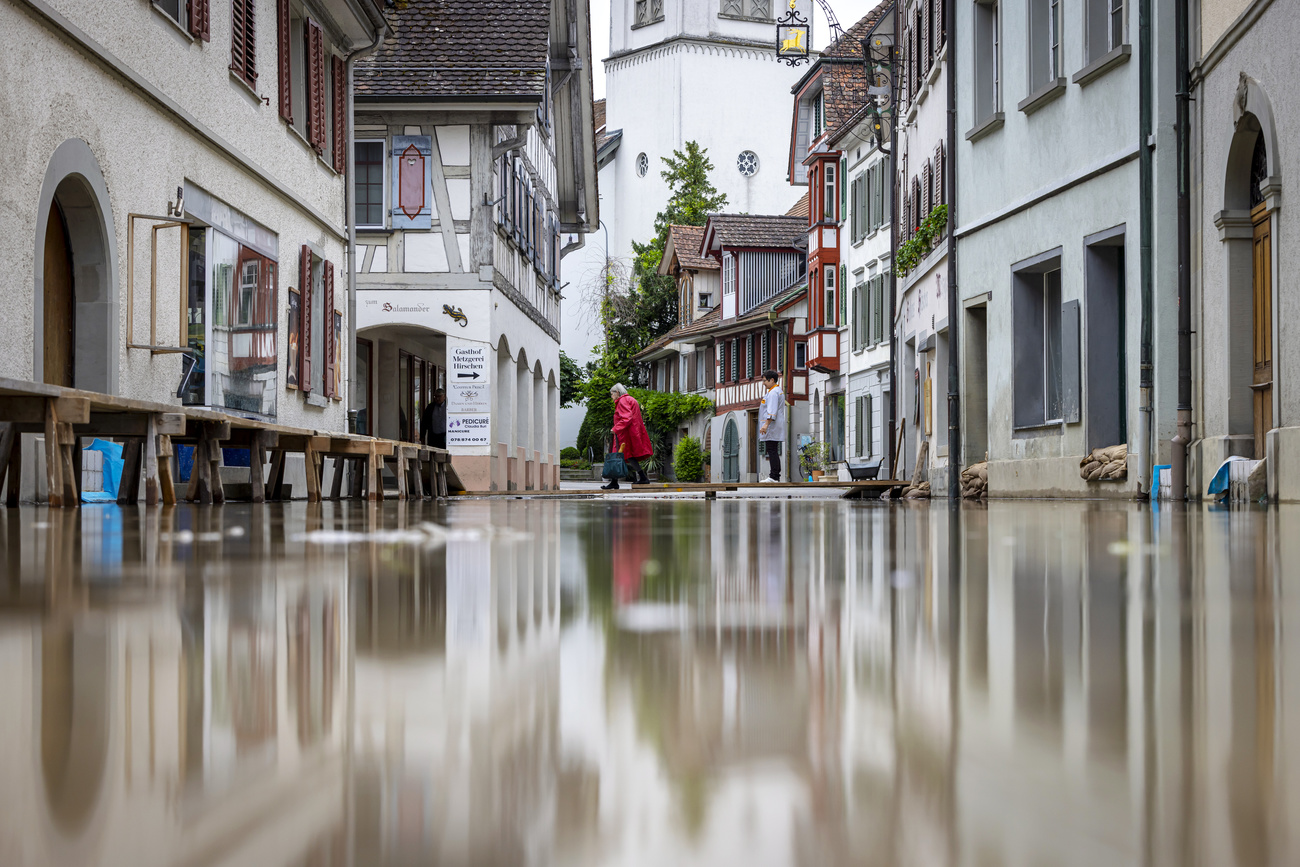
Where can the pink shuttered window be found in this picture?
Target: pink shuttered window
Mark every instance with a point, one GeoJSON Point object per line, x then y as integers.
{"type": "Point", "coordinates": [201, 19]}
{"type": "Point", "coordinates": [329, 348]}
{"type": "Point", "coordinates": [282, 39]}
{"type": "Point", "coordinates": [340, 114]}
{"type": "Point", "coordinates": [316, 102]}
{"type": "Point", "coordinates": [243, 41]}
{"type": "Point", "coordinates": [304, 343]}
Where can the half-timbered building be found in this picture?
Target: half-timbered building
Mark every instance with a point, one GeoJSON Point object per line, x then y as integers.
{"type": "Point", "coordinates": [476, 175]}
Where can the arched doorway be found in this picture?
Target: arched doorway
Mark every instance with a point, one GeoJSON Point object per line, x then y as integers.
{"type": "Point", "coordinates": [1261, 296]}
{"type": "Point", "coordinates": [75, 275]}
{"type": "Point", "coordinates": [730, 452]}
{"type": "Point", "coordinates": [1247, 225]}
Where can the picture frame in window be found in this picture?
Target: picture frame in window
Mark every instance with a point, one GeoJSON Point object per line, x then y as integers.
{"type": "Point", "coordinates": [292, 372]}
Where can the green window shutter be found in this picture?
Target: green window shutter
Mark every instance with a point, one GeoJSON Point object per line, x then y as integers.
{"type": "Point", "coordinates": [844, 189]}
{"type": "Point", "coordinates": [844, 304]}
{"type": "Point", "coordinates": [857, 424]}
{"type": "Point", "coordinates": [870, 440]}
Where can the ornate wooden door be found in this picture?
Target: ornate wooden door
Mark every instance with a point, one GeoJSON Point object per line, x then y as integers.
{"type": "Point", "coordinates": [1262, 380]}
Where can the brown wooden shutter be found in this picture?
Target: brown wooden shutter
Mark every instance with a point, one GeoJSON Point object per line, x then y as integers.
{"type": "Point", "coordinates": [340, 115]}
{"type": "Point", "coordinates": [923, 25]}
{"type": "Point", "coordinates": [243, 40]}
{"type": "Point", "coordinates": [927, 201]}
{"type": "Point", "coordinates": [329, 348]}
{"type": "Point", "coordinates": [315, 85]}
{"type": "Point", "coordinates": [938, 26]}
{"type": "Point", "coordinates": [940, 192]}
{"type": "Point", "coordinates": [201, 19]}
{"type": "Point", "coordinates": [304, 341]}
{"type": "Point", "coordinates": [282, 34]}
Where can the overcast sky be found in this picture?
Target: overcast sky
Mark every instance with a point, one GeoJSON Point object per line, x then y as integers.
{"type": "Point", "coordinates": [847, 11]}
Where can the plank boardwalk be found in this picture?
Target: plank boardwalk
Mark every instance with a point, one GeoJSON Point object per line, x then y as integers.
{"type": "Point", "coordinates": [149, 432]}
{"type": "Point", "coordinates": [849, 490]}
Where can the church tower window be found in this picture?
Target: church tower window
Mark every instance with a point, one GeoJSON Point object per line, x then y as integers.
{"type": "Point", "coordinates": [642, 164]}
{"type": "Point", "coordinates": [649, 12]}
{"type": "Point", "coordinates": [754, 10]}
{"type": "Point", "coordinates": [747, 163]}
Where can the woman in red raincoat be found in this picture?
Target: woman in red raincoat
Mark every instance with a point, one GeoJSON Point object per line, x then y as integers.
{"type": "Point", "coordinates": [630, 436]}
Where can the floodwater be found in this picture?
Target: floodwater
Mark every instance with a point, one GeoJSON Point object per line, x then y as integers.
{"type": "Point", "coordinates": [756, 682]}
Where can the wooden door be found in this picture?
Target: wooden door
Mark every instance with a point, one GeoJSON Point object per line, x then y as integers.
{"type": "Point", "coordinates": [752, 417]}
{"type": "Point", "coordinates": [1262, 381]}
{"type": "Point", "coordinates": [59, 310]}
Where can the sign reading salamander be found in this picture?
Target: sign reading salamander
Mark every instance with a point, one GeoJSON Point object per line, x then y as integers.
{"type": "Point", "coordinates": [469, 393]}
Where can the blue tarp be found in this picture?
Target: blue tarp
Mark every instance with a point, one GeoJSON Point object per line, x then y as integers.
{"type": "Point", "coordinates": [113, 464]}
{"type": "Point", "coordinates": [1219, 483]}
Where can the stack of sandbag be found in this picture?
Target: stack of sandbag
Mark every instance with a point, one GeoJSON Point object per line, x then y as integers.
{"type": "Point", "coordinates": [917, 491]}
{"type": "Point", "coordinates": [1105, 465]}
{"type": "Point", "coordinates": [975, 481]}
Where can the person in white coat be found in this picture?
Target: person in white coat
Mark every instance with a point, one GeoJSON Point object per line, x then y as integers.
{"type": "Point", "coordinates": [771, 419]}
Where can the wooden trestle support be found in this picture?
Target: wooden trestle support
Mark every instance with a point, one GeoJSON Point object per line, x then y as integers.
{"type": "Point", "coordinates": [150, 431]}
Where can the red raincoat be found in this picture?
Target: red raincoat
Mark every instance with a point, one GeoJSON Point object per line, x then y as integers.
{"type": "Point", "coordinates": [629, 429]}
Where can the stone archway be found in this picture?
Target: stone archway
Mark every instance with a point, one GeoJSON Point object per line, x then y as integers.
{"type": "Point", "coordinates": [1247, 224]}
{"type": "Point", "coordinates": [76, 329]}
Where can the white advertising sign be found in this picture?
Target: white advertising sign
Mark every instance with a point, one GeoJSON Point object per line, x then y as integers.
{"type": "Point", "coordinates": [469, 393]}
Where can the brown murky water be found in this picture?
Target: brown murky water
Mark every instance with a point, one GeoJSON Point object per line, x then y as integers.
{"type": "Point", "coordinates": [645, 683]}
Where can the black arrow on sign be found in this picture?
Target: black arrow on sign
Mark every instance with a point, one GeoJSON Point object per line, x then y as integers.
{"type": "Point", "coordinates": [473, 375]}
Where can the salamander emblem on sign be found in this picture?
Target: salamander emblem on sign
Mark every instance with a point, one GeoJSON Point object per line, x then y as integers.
{"type": "Point", "coordinates": [456, 314]}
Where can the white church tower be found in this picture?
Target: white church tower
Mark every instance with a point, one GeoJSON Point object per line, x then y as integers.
{"type": "Point", "coordinates": [678, 71]}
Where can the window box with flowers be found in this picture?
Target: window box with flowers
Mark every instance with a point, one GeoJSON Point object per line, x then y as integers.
{"type": "Point", "coordinates": [912, 251]}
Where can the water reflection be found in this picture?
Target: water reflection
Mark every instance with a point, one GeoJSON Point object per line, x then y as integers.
{"type": "Point", "coordinates": [765, 682]}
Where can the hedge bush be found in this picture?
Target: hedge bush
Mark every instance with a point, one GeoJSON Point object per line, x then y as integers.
{"type": "Point", "coordinates": [688, 462]}
{"type": "Point", "coordinates": [569, 453]}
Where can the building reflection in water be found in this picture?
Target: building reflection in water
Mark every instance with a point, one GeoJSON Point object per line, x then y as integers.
{"type": "Point", "coordinates": [631, 682]}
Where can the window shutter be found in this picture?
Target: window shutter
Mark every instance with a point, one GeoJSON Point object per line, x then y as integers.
{"type": "Point", "coordinates": [201, 19]}
{"type": "Point", "coordinates": [340, 115]}
{"type": "Point", "coordinates": [304, 341]}
{"type": "Point", "coordinates": [857, 326]}
{"type": "Point", "coordinates": [282, 35]}
{"type": "Point", "coordinates": [941, 193]}
{"type": "Point", "coordinates": [315, 85]}
{"type": "Point", "coordinates": [938, 26]}
{"type": "Point", "coordinates": [844, 301]}
{"type": "Point", "coordinates": [866, 423]}
{"type": "Point", "coordinates": [329, 349]}
{"type": "Point", "coordinates": [927, 190]}
{"type": "Point", "coordinates": [412, 179]}
{"type": "Point", "coordinates": [857, 426]}
{"type": "Point", "coordinates": [844, 189]}
{"type": "Point", "coordinates": [243, 41]}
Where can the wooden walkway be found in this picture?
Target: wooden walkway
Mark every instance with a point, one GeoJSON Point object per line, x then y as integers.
{"type": "Point", "coordinates": [149, 432]}
{"type": "Point", "coordinates": [851, 490]}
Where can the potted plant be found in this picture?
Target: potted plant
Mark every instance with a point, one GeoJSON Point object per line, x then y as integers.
{"type": "Point", "coordinates": [813, 459]}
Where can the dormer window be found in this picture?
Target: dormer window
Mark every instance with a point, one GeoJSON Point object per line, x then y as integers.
{"type": "Point", "coordinates": [819, 115]}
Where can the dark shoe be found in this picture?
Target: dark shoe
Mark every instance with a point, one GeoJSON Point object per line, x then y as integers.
{"type": "Point", "coordinates": [612, 486]}
{"type": "Point", "coordinates": [642, 479]}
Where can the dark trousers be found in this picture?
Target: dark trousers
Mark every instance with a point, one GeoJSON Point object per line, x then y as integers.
{"type": "Point", "coordinates": [774, 458]}
{"type": "Point", "coordinates": [633, 468]}
{"type": "Point", "coordinates": [438, 441]}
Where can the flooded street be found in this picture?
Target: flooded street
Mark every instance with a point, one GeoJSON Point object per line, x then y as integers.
{"type": "Point", "coordinates": [572, 682]}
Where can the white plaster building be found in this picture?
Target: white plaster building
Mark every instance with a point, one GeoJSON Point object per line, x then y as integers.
{"type": "Point", "coordinates": [864, 234]}
{"type": "Point", "coordinates": [922, 304]}
{"type": "Point", "coordinates": [678, 71]}
{"type": "Point", "coordinates": [467, 183]}
{"type": "Point", "coordinates": [171, 168]}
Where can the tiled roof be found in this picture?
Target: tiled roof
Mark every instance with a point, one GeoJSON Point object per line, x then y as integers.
{"type": "Point", "coordinates": [657, 345]}
{"type": "Point", "coordinates": [752, 230]}
{"type": "Point", "coordinates": [469, 48]}
{"type": "Point", "coordinates": [687, 241]}
{"type": "Point", "coordinates": [703, 325]}
{"type": "Point", "coordinates": [598, 113]}
{"type": "Point", "coordinates": [800, 208]}
{"type": "Point", "coordinates": [845, 84]}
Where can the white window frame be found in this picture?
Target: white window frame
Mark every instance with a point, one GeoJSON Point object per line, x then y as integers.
{"type": "Point", "coordinates": [828, 295]}
{"type": "Point", "coordinates": [830, 200]}
{"type": "Point", "coordinates": [728, 274]}
{"type": "Point", "coordinates": [383, 167]}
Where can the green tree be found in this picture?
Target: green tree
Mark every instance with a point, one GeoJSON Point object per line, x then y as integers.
{"type": "Point", "coordinates": [693, 197]}
{"type": "Point", "coordinates": [571, 380]}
